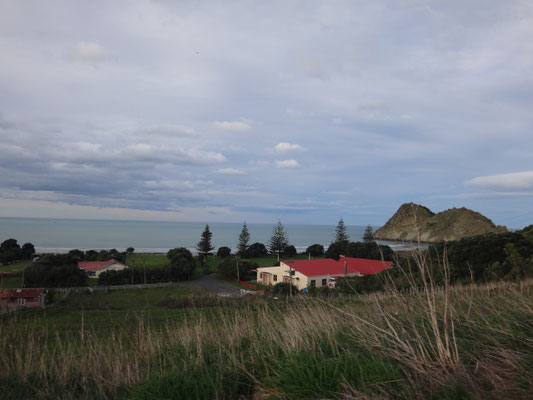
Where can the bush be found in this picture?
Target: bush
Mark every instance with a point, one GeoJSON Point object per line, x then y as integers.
{"type": "Point", "coordinates": [283, 289]}
{"type": "Point", "coordinates": [315, 250]}
{"type": "Point", "coordinates": [229, 268]}
{"type": "Point", "coordinates": [257, 250]}
{"type": "Point", "coordinates": [223, 251]}
{"type": "Point", "coordinates": [54, 275]}
{"type": "Point", "coordinates": [336, 249]}
{"type": "Point", "coordinates": [10, 251]}
{"type": "Point", "coordinates": [290, 251]}
{"type": "Point", "coordinates": [369, 250]}
{"type": "Point", "coordinates": [182, 264]}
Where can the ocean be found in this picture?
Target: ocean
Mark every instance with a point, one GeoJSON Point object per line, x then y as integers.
{"type": "Point", "coordinates": [62, 235]}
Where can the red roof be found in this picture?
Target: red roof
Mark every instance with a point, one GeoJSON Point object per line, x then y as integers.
{"type": "Point", "coordinates": [328, 266]}
{"type": "Point", "coordinates": [21, 293]}
{"type": "Point", "coordinates": [96, 265]}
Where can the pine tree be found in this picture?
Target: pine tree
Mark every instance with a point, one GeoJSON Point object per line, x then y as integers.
{"type": "Point", "coordinates": [340, 232]}
{"type": "Point", "coordinates": [244, 238]}
{"type": "Point", "coordinates": [368, 236]}
{"type": "Point", "coordinates": [279, 240]}
{"type": "Point", "coordinates": [204, 246]}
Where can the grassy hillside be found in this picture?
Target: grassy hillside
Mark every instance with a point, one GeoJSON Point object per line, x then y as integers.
{"type": "Point", "coordinates": [459, 342]}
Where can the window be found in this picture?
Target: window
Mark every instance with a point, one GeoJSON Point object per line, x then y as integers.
{"type": "Point", "coordinates": [324, 282]}
{"type": "Point", "coordinates": [275, 278]}
{"type": "Point", "coordinates": [313, 283]}
{"type": "Point", "coordinates": [260, 274]}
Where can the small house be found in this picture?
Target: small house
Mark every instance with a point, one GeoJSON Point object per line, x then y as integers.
{"type": "Point", "coordinates": [22, 297]}
{"type": "Point", "coordinates": [95, 268]}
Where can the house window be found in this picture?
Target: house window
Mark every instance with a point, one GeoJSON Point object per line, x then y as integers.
{"type": "Point", "coordinates": [260, 275]}
{"type": "Point", "coordinates": [313, 283]}
{"type": "Point", "coordinates": [92, 273]}
{"type": "Point", "coordinates": [275, 278]}
{"type": "Point", "coordinates": [324, 282]}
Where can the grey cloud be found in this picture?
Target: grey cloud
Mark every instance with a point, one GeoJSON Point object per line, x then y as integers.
{"type": "Point", "coordinates": [156, 97]}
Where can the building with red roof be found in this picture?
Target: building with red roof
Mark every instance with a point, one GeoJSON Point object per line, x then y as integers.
{"type": "Point", "coordinates": [22, 297]}
{"type": "Point", "coordinates": [319, 273]}
{"type": "Point", "coordinates": [95, 268]}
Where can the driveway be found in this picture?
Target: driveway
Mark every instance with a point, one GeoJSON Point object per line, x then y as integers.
{"type": "Point", "coordinates": [213, 284]}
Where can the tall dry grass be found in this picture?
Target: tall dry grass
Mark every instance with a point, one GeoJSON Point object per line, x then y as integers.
{"type": "Point", "coordinates": [431, 341]}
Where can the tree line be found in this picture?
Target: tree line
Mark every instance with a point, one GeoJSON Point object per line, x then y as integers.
{"type": "Point", "coordinates": [11, 251]}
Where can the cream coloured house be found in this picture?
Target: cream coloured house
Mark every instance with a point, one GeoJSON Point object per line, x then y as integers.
{"type": "Point", "coordinates": [318, 273]}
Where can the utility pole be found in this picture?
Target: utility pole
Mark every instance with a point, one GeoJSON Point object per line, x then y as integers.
{"type": "Point", "coordinates": [22, 278]}
{"type": "Point", "coordinates": [144, 263]}
{"type": "Point", "coordinates": [238, 278]}
{"type": "Point", "coordinates": [290, 278]}
{"type": "Point", "coordinates": [345, 269]}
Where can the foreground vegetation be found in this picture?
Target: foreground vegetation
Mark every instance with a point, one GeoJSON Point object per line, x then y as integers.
{"type": "Point", "coordinates": [458, 342]}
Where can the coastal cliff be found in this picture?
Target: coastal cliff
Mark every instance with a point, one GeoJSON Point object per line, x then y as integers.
{"type": "Point", "coordinates": [413, 222]}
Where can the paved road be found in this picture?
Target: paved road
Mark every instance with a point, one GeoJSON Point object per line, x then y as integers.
{"type": "Point", "coordinates": [211, 283]}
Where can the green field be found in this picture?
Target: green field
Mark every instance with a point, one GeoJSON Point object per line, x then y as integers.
{"type": "Point", "coordinates": [150, 260]}
{"type": "Point", "coordinates": [15, 267]}
{"type": "Point", "coordinates": [10, 283]}
{"type": "Point", "coordinates": [471, 342]}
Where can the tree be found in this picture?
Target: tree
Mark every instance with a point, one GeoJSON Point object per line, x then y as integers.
{"type": "Point", "coordinates": [290, 251]}
{"type": "Point", "coordinates": [279, 241]}
{"type": "Point", "coordinates": [204, 246]}
{"type": "Point", "coordinates": [54, 270]}
{"type": "Point", "coordinates": [28, 250]}
{"type": "Point", "coordinates": [257, 250]}
{"type": "Point", "coordinates": [368, 236]}
{"type": "Point", "coordinates": [315, 250]}
{"type": "Point", "coordinates": [244, 238]}
{"type": "Point", "coordinates": [9, 251]}
{"type": "Point", "coordinates": [223, 251]}
{"type": "Point", "coordinates": [340, 232]}
{"type": "Point", "coordinates": [229, 267]}
{"type": "Point", "coordinates": [130, 250]}
{"type": "Point", "coordinates": [182, 264]}
{"type": "Point", "coordinates": [336, 249]}
{"type": "Point", "coordinates": [369, 251]}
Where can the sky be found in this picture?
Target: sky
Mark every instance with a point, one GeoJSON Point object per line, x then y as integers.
{"type": "Point", "coordinates": [299, 111]}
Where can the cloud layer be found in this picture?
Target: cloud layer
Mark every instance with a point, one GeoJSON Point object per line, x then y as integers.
{"type": "Point", "coordinates": [510, 181]}
{"type": "Point", "coordinates": [299, 111]}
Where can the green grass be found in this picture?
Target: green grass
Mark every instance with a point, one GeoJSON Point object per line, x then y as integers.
{"type": "Point", "coordinates": [440, 343]}
{"type": "Point", "coordinates": [15, 267]}
{"type": "Point", "coordinates": [131, 300]}
{"type": "Point", "coordinates": [151, 260]}
{"type": "Point", "coordinates": [10, 283]}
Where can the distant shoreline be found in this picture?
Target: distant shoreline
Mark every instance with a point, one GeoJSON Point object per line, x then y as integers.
{"type": "Point", "coordinates": [394, 245]}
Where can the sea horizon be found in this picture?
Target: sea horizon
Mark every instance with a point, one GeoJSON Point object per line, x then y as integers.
{"type": "Point", "coordinates": [60, 235]}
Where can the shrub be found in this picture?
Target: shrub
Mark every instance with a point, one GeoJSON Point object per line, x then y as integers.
{"type": "Point", "coordinates": [229, 268]}
{"type": "Point", "coordinates": [257, 250]}
{"type": "Point", "coordinates": [315, 250]}
{"type": "Point", "coordinates": [223, 251]}
{"type": "Point", "coordinates": [283, 289]}
{"type": "Point", "coordinates": [290, 251]}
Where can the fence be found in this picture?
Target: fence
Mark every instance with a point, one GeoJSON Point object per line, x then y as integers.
{"type": "Point", "coordinates": [246, 284]}
{"type": "Point", "coordinates": [126, 287]}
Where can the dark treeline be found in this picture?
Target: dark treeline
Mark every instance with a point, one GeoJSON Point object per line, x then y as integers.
{"type": "Point", "coordinates": [182, 265]}
{"type": "Point", "coordinates": [102, 255]}
{"type": "Point", "coordinates": [11, 251]}
{"type": "Point", "coordinates": [229, 267]}
{"type": "Point", "coordinates": [54, 270]}
{"type": "Point", "coordinates": [481, 258]}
